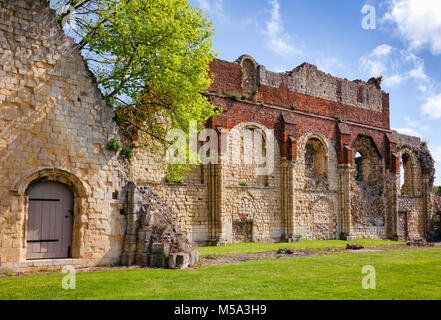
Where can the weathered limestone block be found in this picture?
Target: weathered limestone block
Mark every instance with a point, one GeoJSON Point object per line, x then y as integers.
{"type": "Point", "coordinates": [158, 255]}
{"type": "Point", "coordinates": [182, 260]}
{"type": "Point", "coordinates": [194, 257]}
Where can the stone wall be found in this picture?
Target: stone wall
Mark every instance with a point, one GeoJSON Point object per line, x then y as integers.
{"type": "Point", "coordinates": [316, 215]}
{"type": "Point", "coordinates": [308, 80]}
{"type": "Point", "coordinates": [53, 127]}
{"type": "Point", "coordinates": [368, 191]}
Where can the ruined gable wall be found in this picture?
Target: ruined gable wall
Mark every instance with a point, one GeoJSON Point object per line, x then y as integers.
{"type": "Point", "coordinates": [52, 116]}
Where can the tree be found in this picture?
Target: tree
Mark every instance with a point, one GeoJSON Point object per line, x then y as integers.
{"type": "Point", "coordinates": [151, 60]}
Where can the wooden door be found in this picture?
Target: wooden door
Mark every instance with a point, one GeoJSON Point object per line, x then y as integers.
{"type": "Point", "coordinates": [50, 217]}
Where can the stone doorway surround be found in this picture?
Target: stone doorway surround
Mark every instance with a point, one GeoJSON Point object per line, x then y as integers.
{"type": "Point", "coordinates": [80, 192]}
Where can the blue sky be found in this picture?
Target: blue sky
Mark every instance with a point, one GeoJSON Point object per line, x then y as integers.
{"type": "Point", "coordinates": [404, 47]}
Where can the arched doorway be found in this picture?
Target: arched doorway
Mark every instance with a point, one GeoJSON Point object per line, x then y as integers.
{"type": "Point", "coordinates": [50, 220]}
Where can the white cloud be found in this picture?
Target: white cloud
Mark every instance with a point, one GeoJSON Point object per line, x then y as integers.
{"type": "Point", "coordinates": [212, 7]}
{"type": "Point", "coordinates": [396, 66]}
{"type": "Point", "coordinates": [382, 50]}
{"type": "Point", "coordinates": [280, 41]}
{"type": "Point", "coordinates": [400, 66]}
{"type": "Point", "coordinates": [417, 22]}
{"type": "Point", "coordinates": [418, 124]}
{"type": "Point", "coordinates": [409, 132]}
{"type": "Point", "coordinates": [432, 107]}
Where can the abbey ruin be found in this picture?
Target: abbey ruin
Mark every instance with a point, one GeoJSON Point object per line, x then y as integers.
{"type": "Point", "coordinates": [340, 172]}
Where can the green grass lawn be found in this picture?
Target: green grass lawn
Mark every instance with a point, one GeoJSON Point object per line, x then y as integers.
{"type": "Point", "coordinates": [306, 244]}
{"type": "Point", "coordinates": [401, 274]}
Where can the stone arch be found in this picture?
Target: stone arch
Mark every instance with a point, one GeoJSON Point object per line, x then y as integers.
{"type": "Point", "coordinates": [249, 73]}
{"type": "Point", "coordinates": [302, 141]}
{"type": "Point", "coordinates": [254, 159]}
{"type": "Point", "coordinates": [78, 187]}
{"type": "Point", "coordinates": [80, 190]}
{"type": "Point", "coordinates": [313, 153]}
{"type": "Point", "coordinates": [371, 160]}
{"type": "Point", "coordinates": [410, 173]}
{"type": "Point", "coordinates": [368, 187]}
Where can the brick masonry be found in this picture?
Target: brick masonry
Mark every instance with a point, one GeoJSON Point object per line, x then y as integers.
{"type": "Point", "coordinates": [54, 126]}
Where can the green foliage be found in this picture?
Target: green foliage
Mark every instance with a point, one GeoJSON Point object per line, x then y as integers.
{"type": "Point", "coordinates": [151, 60]}
{"type": "Point", "coordinates": [340, 118]}
{"type": "Point", "coordinates": [299, 236]}
{"type": "Point", "coordinates": [211, 256]}
{"type": "Point", "coordinates": [243, 73]}
{"type": "Point", "coordinates": [127, 153]}
{"type": "Point", "coordinates": [175, 173]}
{"type": "Point", "coordinates": [243, 184]}
{"type": "Point", "coordinates": [437, 189]}
{"type": "Point", "coordinates": [234, 96]}
{"type": "Point", "coordinates": [245, 97]}
{"type": "Point", "coordinates": [114, 145]}
{"type": "Point", "coordinates": [293, 106]}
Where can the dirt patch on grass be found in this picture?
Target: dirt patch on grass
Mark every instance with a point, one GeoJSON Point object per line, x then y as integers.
{"type": "Point", "coordinates": [245, 257]}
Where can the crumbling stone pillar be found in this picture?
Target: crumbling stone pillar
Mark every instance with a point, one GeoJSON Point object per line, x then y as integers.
{"type": "Point", "coordinates": [428, 204]}
{"type": "Point", "coordinates": [392, 195]}
{"type": "Point", "coordinates": [288, 200]}
{"type": "Point", "coordinates": [345, 173]}
{"type": "Point", "coordinates": [133, 208]}
{"type": "Point", "coordinates": [217, 221]}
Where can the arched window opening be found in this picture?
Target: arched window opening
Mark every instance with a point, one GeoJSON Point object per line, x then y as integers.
{"type": "Point", "coordinates": [316, 172]}
{"type": "Point", "coordinates": [406, 174]}
{"type": "Point", "coordinates": [359, 167]}
{"type": "Point", "coordinates": [249, 75]}
{"type": "Point", "coordinates": [254, 154]}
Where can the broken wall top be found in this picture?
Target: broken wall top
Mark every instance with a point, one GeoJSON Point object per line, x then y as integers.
{"type": "Point", "coordinates": [357, 100]}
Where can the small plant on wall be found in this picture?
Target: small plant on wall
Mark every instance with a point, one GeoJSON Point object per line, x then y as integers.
{"type": "Point", "coordinates": [127, 153]}
{"type": "Point", "coordinates": [114, 145]}
{"type": "Point", "coordinates": [243, 184]}
{"type": "Point", "coordinates": [234, 96]}
{"type": "Point", "coordinates": [170, 178]}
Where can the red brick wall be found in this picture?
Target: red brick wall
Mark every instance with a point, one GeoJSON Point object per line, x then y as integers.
{"type": "Point", "coordinates": [273, 106]}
